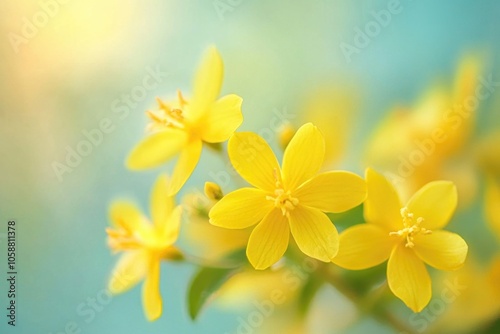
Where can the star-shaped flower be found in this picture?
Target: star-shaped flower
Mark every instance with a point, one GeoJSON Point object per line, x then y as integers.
{"type": "Point", "coordinates": [144, 245]}
{"type": "Point", "coordinates": [406, 235]}
{"type": "Point", "coordinates": [182, 126]}
{"type": "Point", "coordinates": [291, 198]}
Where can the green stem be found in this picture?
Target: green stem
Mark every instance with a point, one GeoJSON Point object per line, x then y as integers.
{"type": "Point", "coordinates": [369, 306]}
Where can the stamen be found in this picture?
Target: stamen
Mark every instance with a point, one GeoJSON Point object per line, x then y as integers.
{"type": "Point", "coordinates": [168, 115]}
{"type": "Point", "coordinates": [182, 100]}
{"type": "Point", "coordinates": [122, 239]}
{"type": "Point", "coordinates": [284, 201]}
{"type": "Point", "coordinates": [154, 117]}
{"type": "Point", "coordinates": [162, 105]}
{"type": "Point", "coordinates": [276, 178]}
{"type": "Point", "coordinates": [411, 228]}
{"type": "Point", "coordinates": [177, 114]}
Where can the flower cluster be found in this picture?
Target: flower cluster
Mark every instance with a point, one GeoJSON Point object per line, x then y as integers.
{"type": "Point", "coordinates": [288, 209]}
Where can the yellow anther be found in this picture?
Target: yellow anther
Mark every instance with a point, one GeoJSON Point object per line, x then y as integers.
{"type": "Point", "coordinates": [122, 239]}
{"type": "Point", "coordinates": [182, 100]}
{"type": "Point", "coordinates": [283, 201]}
{"type": "Point", "coordinates": [162, 105]}
{"type": "Point", "coordinates": [411, 227]}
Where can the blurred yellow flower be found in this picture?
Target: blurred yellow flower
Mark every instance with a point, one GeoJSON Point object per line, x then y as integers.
{"type": "Point", "coordinates": [489, 162]}
{"type": "Point", "coordinates": [406, 235]}
{"type": "Point", "coordinates": [472, 298]}
{"type": "Point", "coordinates": [416, 144]}
{"type": "Point", "coordinates": [144, 245]}
{"type": "Point", "coordinates": [183, 125]}
{"type": "Point", "coordinates": [492, 205]}
{"type": "Point", "coordinates": [334, 110]}
{"type": "Point", "coordinates": [288, 199]}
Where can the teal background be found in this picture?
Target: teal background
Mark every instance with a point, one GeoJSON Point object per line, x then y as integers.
{"type": "Point", "coordinates": [65, 79]}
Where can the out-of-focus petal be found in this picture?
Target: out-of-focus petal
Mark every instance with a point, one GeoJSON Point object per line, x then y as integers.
{"type": "Point", "coordinates": [156, 149]}
{"type": "Point", "coordinates": [151, 297]}
{"type": "Point", "coordinates": [185, 165]}
{"type": "Point", "coordinates": [170, 229]}
{"type": "Point", "coordinates": [222, 119]}
{"type": "Point", "coordinates": [128, 271]}
{"type": "Point", "coordinates": [161, 204]}
{"type": "Point", "coordinates": [126, 215]}
{"type": "Point", "coordinates": [207, 83]}
{"type": "Point", "coordinates": [492, 205]}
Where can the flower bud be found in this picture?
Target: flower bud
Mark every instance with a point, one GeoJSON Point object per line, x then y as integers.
{"type": "Point", "coordinates": [213, 191]}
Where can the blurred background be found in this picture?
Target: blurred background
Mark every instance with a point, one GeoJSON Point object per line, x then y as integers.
{"type": "Point", "coordinates": [70, 67]}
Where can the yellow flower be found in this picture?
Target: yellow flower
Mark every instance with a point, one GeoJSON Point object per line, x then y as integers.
{"type": "Point", "coordinates": [431, 135]}
{"type": "Point", "coordinates": [144, 245]}
{"type": "Point", "coordinates": [406, 235]}
{"type": "Point", "coordinates": [183, 125]}
{"type": "Point", "coordinates": [334, 109]}
{"type": "Point", "coordinates": [288, 199]}
{"type": "Point", "coordinates": [472, 298]}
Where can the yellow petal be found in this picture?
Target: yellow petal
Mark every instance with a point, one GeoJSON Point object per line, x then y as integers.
{"type": "Point", "coordinates": [269, 240]}
{"type": "Point", "coordinates": [151, 297]}
{"type": "Point", "coordinates": [303, 156]}
{"type": "Point", "coordinates": [185, 165]}
{"type": "Point", "coordinates": [254, 160]}
{"type": "Point", "coordinates": [435, 202]}
{"type": "Point", "coordinates": [240, 209]}
{"type": "Point", "coordinates": [161, 204]}
{"type": "Point", "coordinates": [157, 149]}
{"type": "Point", "coordinates": [332, 191]}
{"type": "Point", "coordinates": [171, 227]}
{"type": "Point", "coordinates": [207, 83]}
{"type": "Point", "coordinates": [222, 119]}
{"type": "Point", "coordinates": [492, 205]}
{"type": "Point", "coordinates": [441, 249]}
{"type": "Point", "coordinates": [128, 271]}
{"type": "Point", "coordinates": [314, 233]}
{"type": "Point", "coordinates": [408, 278]}
{"type": "Point", "coordinates": [126, 215]}
{"type": "Point", "coordinates": [382, 206]}
{"type": "Point", "coordinates": [363, 246]}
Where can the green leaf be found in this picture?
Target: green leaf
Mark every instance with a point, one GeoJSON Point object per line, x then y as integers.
{"type": "Point", "coordinates": [204, 285]}
{"type": "Point", "coordinates": [237, 258]}
{"type": "Point", "coordinates": [308, 293]}
{"type": "Point", "coordinates": [347, 219]}
{"type": "Point", "coordinates": [362, 281]}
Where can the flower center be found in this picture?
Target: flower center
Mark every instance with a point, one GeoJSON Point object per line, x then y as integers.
{"type": "Point", "coordinates": [122, 239]}
{"type": "Point", "coordinates": [282, 199]}
{"type": "Point", "coordinates": [411, 227]}
{"type": "Point", "coordinates": [170, 116]}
